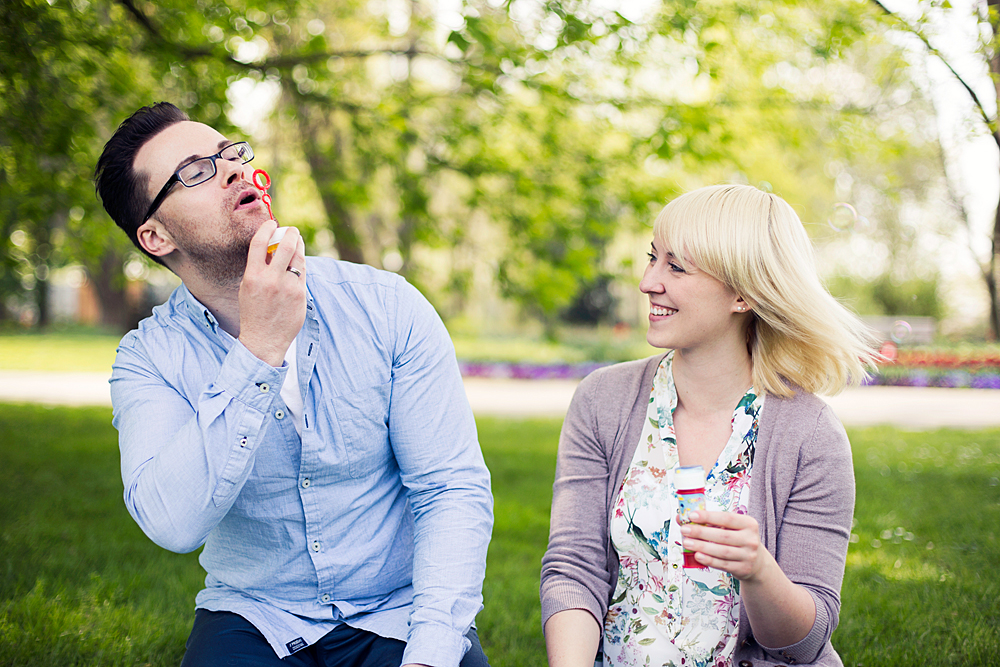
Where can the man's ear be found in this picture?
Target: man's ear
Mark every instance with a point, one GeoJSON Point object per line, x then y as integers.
{"type": "Point", "coordinates": [155, 239]}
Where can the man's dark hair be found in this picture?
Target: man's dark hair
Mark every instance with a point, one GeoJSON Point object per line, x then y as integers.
{"type": "Point", "coordinates": [121, 189]}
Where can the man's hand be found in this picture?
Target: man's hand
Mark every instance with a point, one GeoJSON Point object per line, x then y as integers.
{"type": "Point", "coordinates": [273, 298]}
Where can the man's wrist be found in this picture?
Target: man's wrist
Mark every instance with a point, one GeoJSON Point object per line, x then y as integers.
{"type": "Point", "coordinates": [266, 351]}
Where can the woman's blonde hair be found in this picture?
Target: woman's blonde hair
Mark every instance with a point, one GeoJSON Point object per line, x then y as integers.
{"type": "Point", "coordinates": [755, 243]}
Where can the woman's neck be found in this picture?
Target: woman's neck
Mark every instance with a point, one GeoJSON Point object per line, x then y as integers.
{"type": "Point", "coordinates": [710, 381]}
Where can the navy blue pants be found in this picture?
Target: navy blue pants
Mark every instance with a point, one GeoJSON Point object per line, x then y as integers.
{"type": "Point", "coordinates": [223, 638]}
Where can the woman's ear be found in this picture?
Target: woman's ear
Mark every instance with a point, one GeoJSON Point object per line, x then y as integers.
{"type": "Point", "coordinates": [740, 305]}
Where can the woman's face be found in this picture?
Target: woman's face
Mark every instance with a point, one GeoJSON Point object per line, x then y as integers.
{"type": "Point", "coordinates": [687, 308]}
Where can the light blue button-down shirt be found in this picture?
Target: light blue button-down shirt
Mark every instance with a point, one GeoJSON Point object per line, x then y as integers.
{"type": "Point", "coordinates": [378, 516]}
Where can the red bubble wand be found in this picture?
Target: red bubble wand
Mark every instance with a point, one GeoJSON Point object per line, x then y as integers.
{"type": "Point", "coordinates": [262, 182]}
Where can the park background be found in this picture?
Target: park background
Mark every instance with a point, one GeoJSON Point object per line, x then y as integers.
{"type": "Point", "coordinates": [508, 157]}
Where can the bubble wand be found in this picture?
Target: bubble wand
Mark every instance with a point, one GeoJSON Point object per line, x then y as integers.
{"type": "Point", "coordinates": [262, 182]}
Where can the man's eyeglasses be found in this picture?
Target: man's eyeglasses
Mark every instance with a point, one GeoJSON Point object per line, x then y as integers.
{"type": "Point", "coordinates": [198, 171]}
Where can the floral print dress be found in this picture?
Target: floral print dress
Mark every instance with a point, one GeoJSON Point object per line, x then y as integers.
{"type": "Point", "coordinates": [662, 613]}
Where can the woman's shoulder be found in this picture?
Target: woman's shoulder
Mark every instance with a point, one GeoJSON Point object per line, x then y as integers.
{"type": "Point", "coordinates": [803, 417]}
{"type": "Point", "coordinates": [611, 390]}
{"type": "Point", "coordinates": [626, 372]}
{"type": "Point", "coordinates": [801, 401]}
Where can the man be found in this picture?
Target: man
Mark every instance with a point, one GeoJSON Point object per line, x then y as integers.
{"type": "Point", "coordinates": [304, 419]}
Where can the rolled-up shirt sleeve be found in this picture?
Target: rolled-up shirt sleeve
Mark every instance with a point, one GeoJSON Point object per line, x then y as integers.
{"type": "Point", "coordinates": [184, 463]}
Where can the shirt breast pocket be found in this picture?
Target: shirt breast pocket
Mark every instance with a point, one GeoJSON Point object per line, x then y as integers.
{"type": "Point", "coordinates": [363, 417]}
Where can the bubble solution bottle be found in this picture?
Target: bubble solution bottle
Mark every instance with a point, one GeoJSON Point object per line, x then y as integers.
{"type": "Point", "coordinates": [689, 484]}
{"type": "Point", "coordinates": [272, 243]}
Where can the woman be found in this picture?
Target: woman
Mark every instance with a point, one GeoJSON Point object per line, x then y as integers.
{"type": "Point", "coordinates": [752, 334]}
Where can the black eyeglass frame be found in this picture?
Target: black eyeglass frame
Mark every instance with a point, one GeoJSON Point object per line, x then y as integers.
{"type": "Point", "coordinates": [175, 178]}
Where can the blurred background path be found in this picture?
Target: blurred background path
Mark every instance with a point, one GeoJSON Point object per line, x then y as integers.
{"type": "Point", "coordinates": [906, 407]}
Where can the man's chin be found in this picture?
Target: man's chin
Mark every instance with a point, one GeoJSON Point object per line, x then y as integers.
{"type": "Point", "coordinates": [223, 266]}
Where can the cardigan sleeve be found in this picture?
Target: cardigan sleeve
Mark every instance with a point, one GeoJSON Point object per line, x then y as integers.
{"type": "Point", "coordinates": [575, 574]}
{"type": "Point", "coordinates": [815, 529]}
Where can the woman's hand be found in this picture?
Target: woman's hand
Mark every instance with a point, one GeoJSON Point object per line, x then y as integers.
{"type": "Point", "coordinates": [781, 612]}
{"type": "Point", "coordinates": [726, 541]}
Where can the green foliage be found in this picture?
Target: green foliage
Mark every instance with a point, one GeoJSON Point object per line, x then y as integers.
{"type": "Point", "coordinates": [72, 72]}
{"type": "Point", "coordinates": [888, 296]}
{"type": "Point", "coordinates": [560, 124]}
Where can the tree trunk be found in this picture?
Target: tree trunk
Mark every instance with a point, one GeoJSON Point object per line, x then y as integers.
{"type": "Point", "coordinates": [109, 283]}
{"type": "Point", "coordinates": [43, 252]}
{"type": "Point", "coordinates": [326, 165]}
{"type": "Point", "coordinates": [345, 236]}
{"type": "Point", "coordinates": [992, 276]}
{"type": "Point", "coordinates": [994, 266]}
{"type": "Point", "coordinates": [42, 300]}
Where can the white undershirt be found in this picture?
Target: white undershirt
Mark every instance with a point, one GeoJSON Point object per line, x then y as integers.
{"type": "Point", "coordinates": [290, 392]}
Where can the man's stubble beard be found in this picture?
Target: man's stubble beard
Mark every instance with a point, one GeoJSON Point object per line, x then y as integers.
{"type": "Point", "coordinates": [222, 264]}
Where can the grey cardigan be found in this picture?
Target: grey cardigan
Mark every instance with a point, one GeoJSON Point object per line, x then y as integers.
{"type": "Point", "coordinates": [801, 494]}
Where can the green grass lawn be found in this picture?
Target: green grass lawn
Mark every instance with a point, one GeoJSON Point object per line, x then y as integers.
{"type": "Point", "coordinates": [81, 585]}
{"type": "Point", "coordinates": [71, 352]}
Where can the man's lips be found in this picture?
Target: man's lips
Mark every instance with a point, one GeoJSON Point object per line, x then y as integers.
{"type": "Point", "coordinates": [247, 199]}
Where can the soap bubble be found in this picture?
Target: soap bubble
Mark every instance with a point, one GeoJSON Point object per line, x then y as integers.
{"type": "Point", "coordinates": [392, 261]}
{"type": "Point", "coordinates": [843, 218]}
{"type": "Point", "coordinates": [900, 331]}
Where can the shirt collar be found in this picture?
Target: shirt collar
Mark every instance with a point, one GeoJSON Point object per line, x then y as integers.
{"type": "Point", "coordinates": [202, 316]}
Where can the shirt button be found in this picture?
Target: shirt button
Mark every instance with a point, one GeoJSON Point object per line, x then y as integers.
{"type": "Point", "coordinates": [746, 663]}
{"type": "Point", "coordinates": [316, 546]}
{"type": "Point", "coordinates": [264, 387]}
{"type": "Point", "coordinates": [279, 414]}
{"type": "Point", "coordinates": [243, 441]}
{"type": "Point", "coordinates": [325, 598]}
{"type": "Point", "coordinates": [305, 483]}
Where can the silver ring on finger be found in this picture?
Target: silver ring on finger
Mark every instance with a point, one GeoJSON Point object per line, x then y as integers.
{"type": "Point", "coordinates": [292, 269]}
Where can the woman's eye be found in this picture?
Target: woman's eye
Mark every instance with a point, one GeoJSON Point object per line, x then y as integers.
{"type": "Point", "coordinates": [676, 268]}
{"type": "Point", "coordinates": [652, 257]}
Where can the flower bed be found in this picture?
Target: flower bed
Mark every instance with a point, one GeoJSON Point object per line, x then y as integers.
{"type": "Point", "coordinates": [526, 371]}
{"type": "Point", "coordinates": [976, 369]}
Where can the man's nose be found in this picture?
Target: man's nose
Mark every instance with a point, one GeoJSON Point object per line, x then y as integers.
{"type": "Point", "coordinates": [232, 172]}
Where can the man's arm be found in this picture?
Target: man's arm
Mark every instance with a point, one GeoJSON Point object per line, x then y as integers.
{"type": "Point", "coordinates": [184, 461]}
{"type": "Point", "coordinates": [433, 436]}
{"type": "Point", "coordinates": [186, 455]}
